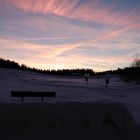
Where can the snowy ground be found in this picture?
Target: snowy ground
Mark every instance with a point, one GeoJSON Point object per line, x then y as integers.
{"type": "Point", "coordinates": [70, 89]}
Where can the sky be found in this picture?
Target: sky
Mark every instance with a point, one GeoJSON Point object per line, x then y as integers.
{"type": "Point", "coordinates": [70, 34]}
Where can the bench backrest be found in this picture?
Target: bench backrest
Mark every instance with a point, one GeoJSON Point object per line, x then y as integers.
{"type": "Point", "coordinates": [32, 94]}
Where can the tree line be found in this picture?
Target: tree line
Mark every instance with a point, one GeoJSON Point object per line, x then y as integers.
{"type": "Point", "coordinates": [128, 74]}
{"type": "Point", "coordinates": [73, 72]}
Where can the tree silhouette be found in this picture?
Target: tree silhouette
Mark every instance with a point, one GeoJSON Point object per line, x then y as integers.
{"type": "Point", "coordinates": [136, 62]}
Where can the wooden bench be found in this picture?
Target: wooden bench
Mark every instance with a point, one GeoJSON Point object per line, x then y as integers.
{"type": "Point", "coordinates": [23, 94]}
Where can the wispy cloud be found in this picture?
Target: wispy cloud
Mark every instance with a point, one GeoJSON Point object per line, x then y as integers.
{"type": "Point", "coordinates": [83, 10]}
{"type": "Point", "coordinates": [70, 33]}
{"type": "Point", "coordinates": [112, 34]}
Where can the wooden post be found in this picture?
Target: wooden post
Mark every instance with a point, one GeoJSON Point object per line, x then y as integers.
{"type": "Point", "coordinates": [42, 99]}
{"type": "Point", "coordinates": [22, 99]}
{"type": "Point", "coordinates": [86, 78]}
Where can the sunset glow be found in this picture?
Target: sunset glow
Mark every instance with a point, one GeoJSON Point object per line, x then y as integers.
{"type": "Point", "coordinates": [61, 34]}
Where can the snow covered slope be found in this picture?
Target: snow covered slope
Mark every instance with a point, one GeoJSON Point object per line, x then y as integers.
{"type": "Point", "coordinates": [70, 89]}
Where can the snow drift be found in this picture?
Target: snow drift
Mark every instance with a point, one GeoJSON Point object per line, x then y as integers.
{"type": "Point", "coordinates": [66, 120]}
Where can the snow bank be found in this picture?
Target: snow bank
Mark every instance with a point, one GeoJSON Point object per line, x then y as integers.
{"type": "Point", "coordinates": [66, 120]}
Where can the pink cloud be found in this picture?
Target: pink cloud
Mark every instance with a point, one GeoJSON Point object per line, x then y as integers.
{"type": "Point", "coordinates": [39, 55]}
{"type": "Point", "coordinates": [111, 35]}
{"type": "Point", "coordinates": [17, 44]}
{"type": "Point", "coordinates": [89, 11]}
{"type": "Point", "coordinates": [51, 58]}
{"type": "Point", "coordinates": [60, 49]}
{"type": "Point", "coordinates": [48, 51]}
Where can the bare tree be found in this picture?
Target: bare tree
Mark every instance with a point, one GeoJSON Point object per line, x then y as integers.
{"type": "Point", "coordinates": [136, 62]}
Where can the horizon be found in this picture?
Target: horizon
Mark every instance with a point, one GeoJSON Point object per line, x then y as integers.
{"type": "Point", "coordinates": [100, 35]}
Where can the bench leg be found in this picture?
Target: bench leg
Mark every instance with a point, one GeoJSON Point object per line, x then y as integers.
{"type": "Point", "coordinates": [22, 99]}
{"type": "Point", "coordinates": [42, 99]}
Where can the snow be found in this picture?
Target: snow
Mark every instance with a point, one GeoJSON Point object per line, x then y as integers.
{"type": "Point", "coordinates": [75, 104]}
{"type": "Point", "coordinates": [64, 120]}
{"type": "Point", "coordinates": [70, 89]}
